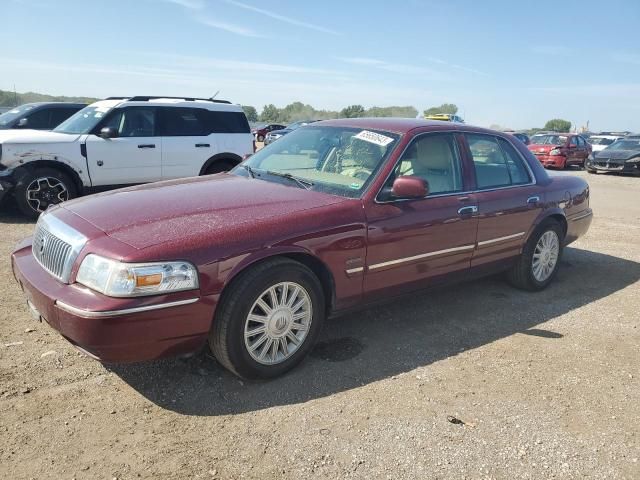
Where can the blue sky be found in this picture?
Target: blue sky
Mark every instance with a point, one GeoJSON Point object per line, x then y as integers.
{"type": "Point", "coordinates": [512, 63]}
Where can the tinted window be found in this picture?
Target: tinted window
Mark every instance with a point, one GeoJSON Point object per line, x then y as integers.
{"type": "Point", "coordinates": [183, 121]}
{"type": "Point", "coordinates": [573, 140]}
{"type": "Point", "coordinates": [435, 159]}
{"type": "Point", "coordinates": [496, 164]}
{"type": "Point", "coordinates": [227, 122]}
{"type": "Point", "coordinates": [39, 119]}
{"type": "Point", "coordinates": [59, 115]}
{"type": "Point", "coordinates": [517, 170]}
{"type": "Point", "coordinates": [133, 122]}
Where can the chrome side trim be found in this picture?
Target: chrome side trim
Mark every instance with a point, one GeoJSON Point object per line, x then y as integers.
{"type": "Point", "coordinates": [114, 313]}
{"type": "Point", "coordinates": [424, 255]}
{"type": "Point", "coordinates": [584, 215]}
{"type": "Point", "coordinates": [501, 239]}
{"type": "Point", "coordinates": [354, 270]}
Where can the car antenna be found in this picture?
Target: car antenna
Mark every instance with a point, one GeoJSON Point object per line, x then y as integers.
{"type": "Point", "coordinates": [215, 95]}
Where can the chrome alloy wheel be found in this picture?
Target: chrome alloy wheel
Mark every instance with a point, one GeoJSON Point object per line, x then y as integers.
{"type": "Point", "coordinates": [45, 191]}
{"type": "Point", "coordinates": [545, 255]}
{"type": "Point", "coordinates": [278, 323]}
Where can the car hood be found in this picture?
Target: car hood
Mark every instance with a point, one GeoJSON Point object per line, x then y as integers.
{"type": "Point", "coordinates": [618, 154]}
{"type": "Point", "coordinates": [170, 211]}
{"type": "Point", "coordinates": [36, 136]}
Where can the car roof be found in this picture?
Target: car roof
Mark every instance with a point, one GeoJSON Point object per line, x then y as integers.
{"type": "Point", "coordinates": [167, 102]}
{"type": "Point", "coordinates": [402, 125]}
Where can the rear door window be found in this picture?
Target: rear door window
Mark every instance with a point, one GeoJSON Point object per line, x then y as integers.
{"type": "Point", "coordinates": [496, 162]}
{"type": "Point", "coordinates": [183, 122]}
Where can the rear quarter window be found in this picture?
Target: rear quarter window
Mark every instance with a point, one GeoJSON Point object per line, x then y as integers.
{"type": "Point", "coordinates": [227, 122]}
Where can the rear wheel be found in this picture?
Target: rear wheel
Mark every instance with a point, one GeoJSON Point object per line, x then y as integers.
{"type": "Point", "coordinates": [540, 258]}
{"type": "Point", "coordinates": [41, 188]}
{"type": "Point", "coordinates": [268, 320]}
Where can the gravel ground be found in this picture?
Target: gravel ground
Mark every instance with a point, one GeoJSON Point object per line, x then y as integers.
{"type": "Point", "coordinates": [546, 385]}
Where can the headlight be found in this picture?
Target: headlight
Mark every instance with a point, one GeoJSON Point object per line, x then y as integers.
{"type": "Point", "coordinates": [555, 151]}
{"type": "Point", "coordinates": [117, 279]}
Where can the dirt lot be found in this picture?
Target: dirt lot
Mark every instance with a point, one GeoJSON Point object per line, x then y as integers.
{"type": "Point", "coordinates": [548, 385]}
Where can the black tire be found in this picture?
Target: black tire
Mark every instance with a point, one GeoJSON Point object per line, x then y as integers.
{"type": "Point", "coordinates": [521, 274]}
{"type": "Point", "coordinates": [218, 167]}
{"type": "Point", "coordinates": [591, 171]}
{"type": "Point", "coordinates": [50, 196]}
{"type": "Point", "coordinates": [260, 138]}
{"type": "Point", "coordinates": [227, 336]}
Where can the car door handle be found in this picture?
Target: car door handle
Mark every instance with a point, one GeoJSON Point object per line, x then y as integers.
{"type": "Point", "coordinates": [100, 163]}
{"type": "Point", "coordinates": [202, 145]}
{"type": "Point", "coordinates": [468, 210]}
{"type": "Point", "coordinates": [147, 145]}
{"type": "Point", "coordinates": [533, 200]}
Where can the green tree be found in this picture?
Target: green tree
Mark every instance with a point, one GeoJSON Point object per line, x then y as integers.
{"type": "Point", "coordinates": [558, 125]}
{"type": "Point", "coordinates": [270, 113]}
{"type": "Point", "coordinates": [250, 112]}
{"type": "Point", "coordinates": [393, 111]}
{"type": "Point", "coordinates": [444, 108]}
{"type": "Point", "coordinates": [352, 111]}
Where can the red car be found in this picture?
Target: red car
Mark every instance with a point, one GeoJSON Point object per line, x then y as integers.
{"type": "Point", "coordinates": [260, 133]}
{"type": "Point", "coordinates": [560, 150]}
{"type": "Point", "coordinates": [336, 215]}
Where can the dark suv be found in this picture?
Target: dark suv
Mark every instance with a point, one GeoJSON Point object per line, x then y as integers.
{"type": "Point", "coordinates": [39, 116]}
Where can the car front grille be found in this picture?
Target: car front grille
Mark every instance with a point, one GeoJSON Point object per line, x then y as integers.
{"type": "Point", "coordinates": [56, 246]}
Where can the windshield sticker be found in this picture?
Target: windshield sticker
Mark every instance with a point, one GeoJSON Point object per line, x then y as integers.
{"type": "Point", "coordinates": [375, 138]}
{"type": "Point", "coordinates": [355, 186]}
{"type": "Point", "coordinates": [98, 114]}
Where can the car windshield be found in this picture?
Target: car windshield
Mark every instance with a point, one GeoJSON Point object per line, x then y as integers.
{"type": "Point", "coordinates": [600, 141]}
{"type": "Point", "coordinates": [84, 120]}
{"type": "Point", "coordinates": [548, 140]}
{"type": "Point", "coordinates": [336, 160]}
{"type": "Point", "coordinates": [625, 145]}
{"type": "Point", "coordinates": [7, 117]}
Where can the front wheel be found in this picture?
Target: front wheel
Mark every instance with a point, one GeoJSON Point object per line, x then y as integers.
{"type": "Point", "coordinates": [218, 167]}
{"type": "Point", "coordinates": [41, 188]}
{"type": "Point", "coordinates": [540, 258]}
{"type": "Point", "coordinates": [268, 320]}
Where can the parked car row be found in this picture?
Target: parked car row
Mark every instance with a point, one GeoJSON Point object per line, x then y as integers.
{"type": "Point", "coordinates": [276, 134]}
{"type": "Point", "coordinates": [333, 216]}
{"type": "Point", "coordinates": [118, 142]}
{"type": "Point", "coordinates": [560, 150]}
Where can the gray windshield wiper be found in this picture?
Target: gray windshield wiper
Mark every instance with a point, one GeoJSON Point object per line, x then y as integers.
{"type": "Point", "coordinates": [300, 181]}
{"type": "Point", "coordinates": [249, 170]}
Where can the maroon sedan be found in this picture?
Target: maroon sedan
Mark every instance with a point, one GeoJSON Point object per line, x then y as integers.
{"type": "Point", "coordinates": [336, 215]}
{"type": "Point", "coordinates": [260, 133]}
{"type": "Point", "coordinates": [560, 150]}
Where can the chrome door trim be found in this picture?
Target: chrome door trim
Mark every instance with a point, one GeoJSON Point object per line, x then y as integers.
{"type": "Point", "coordinates": [418, 257]}
{"type": "Point", "coordinates": [114, 313]}
{"type": "Point", "coordinates": [354, 270]}
{"type": "Point", "coordinates": [501, 239]}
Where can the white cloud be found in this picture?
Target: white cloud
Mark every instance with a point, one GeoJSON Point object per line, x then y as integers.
{"type": "Point", "coordinates": [228, 27]}
{"type": "Point", "coordinates": [282, 18]}
{"type": "Point", "coordinates": [189, 4]}
{"type": "Point", "coordinates": [392, 67]}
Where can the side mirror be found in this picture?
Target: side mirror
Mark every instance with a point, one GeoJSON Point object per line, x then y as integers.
{"type": "Point", "coordinates": [108, 132]}
{"type": "Point", "coordinates": [22, 123]}
{"type": "Point", "coordinates": [409, 186]}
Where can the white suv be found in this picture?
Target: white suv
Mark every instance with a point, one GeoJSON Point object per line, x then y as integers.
{"type": "Point", "coordinates": [122, 141]}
